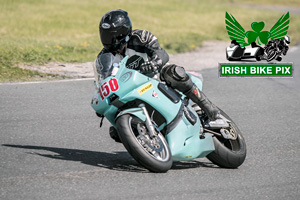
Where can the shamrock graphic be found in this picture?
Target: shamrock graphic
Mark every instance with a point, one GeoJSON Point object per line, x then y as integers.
{"type": "Point", "coordinates": [257, 32]}
{"type": "Point", "coordinates": [237, 32]}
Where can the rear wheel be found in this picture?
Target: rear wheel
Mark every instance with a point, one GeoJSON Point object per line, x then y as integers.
{"type": "Point", "coordinates": [229, 153]}
{"type": "Point", "coordinates": [259, 54]}
{"type": "Point", "coordinates": [152, 153]}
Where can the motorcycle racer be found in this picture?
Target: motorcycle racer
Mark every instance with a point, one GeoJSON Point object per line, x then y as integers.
{"type": "Point", "coordinates": [276, 48]}
{"type": "Point", "coordinates": [119, 39]}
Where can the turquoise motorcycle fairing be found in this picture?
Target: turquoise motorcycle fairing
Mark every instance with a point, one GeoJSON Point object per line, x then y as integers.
{"type": "Point", "coordinates": [120, 94]}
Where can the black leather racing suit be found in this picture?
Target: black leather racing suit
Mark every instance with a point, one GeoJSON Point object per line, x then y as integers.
{"type": "Point", "coordinates": [145, 44]}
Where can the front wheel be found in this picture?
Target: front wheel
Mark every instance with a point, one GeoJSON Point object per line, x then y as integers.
{"type": "Point", "coordinates": [152, 153]}
{"type": "Point", "coordinates": [229, 153]}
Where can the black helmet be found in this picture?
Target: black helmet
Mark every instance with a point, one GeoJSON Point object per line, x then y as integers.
{"type": "Point", "coordinates": [115, 28]}
{"type": "Point", "coordinates": [287, 40]}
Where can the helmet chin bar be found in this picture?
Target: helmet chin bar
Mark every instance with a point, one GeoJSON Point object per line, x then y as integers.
{"type": "Point", "coordinates": [120, 45]}
{"type": "Point", "coordinates": [122, 48]}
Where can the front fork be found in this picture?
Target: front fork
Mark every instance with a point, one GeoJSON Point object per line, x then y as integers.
{"type": "Point", "coordinates": [148, 122]}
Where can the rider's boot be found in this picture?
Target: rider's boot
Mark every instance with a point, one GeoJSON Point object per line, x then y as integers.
{"type": "Point", "coordinates": [114, 134]}
{"type": "Point", "coordinates": [216, 120]}
{"type": "Point", "coordinates": [112, 131]}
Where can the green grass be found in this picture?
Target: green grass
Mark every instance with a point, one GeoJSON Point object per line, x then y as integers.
{"type": "Point", "coordinates": [40, 31]}
{"type": "Point", "coordinates": [17, 74]}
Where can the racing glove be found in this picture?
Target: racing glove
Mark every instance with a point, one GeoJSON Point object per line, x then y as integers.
{"type": "Point", "coordinates": [148, 67]}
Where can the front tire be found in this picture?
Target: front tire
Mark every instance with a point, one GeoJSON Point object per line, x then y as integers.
{"type": "Point", "coordinates": [152, 153]}
{"type": "Point", "coordinates": [229, 153]}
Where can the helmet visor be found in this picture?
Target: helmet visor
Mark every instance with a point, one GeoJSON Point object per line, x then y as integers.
{"type": "Point", "coordinates": [116, 43]}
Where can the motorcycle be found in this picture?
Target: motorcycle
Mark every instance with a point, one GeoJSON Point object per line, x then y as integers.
{"type": "Point", "coordinates": [159, 125]}
{"type": "Point", "coordinates": [273, 53]}
{"type": "Point", "coordinates": [276, 48]}
{"type": "Point", "coordinates": [236, 53]}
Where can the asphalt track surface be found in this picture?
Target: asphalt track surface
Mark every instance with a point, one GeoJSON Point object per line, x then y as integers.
{"type": "Point", "coordinates": [51, 146]}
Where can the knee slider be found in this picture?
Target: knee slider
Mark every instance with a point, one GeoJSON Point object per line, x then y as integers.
{"type": "Point", "coordinates": [176, 77]}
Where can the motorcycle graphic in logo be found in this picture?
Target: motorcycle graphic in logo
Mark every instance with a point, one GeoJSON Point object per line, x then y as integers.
{"type": "Point", "coordinates": [276, 40]}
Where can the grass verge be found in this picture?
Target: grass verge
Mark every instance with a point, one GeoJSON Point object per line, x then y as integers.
{"type": "Point", "coordinates": [16, 74]}
{"type": "Point", "coordinates": [40, 31]}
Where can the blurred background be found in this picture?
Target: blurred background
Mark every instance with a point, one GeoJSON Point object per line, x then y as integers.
{"type": "Point", "coordinates": [42, 31]}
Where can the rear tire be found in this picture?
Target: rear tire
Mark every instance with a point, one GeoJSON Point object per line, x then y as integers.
{"type": "Point", "coordinates": [229, 153]}
{"type": "Point", "coordinates": [154, 154]}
